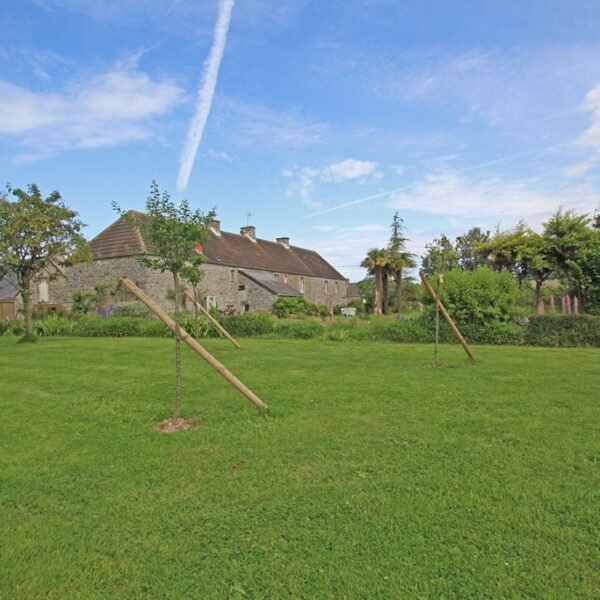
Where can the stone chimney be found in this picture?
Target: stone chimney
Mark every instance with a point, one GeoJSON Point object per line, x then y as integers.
{"type": "Point", "coordinates": [249, 231]}
{"type": "Point", "coordinates": [284, 241]}
{"type": "Point", "coordinates": [216, 227]}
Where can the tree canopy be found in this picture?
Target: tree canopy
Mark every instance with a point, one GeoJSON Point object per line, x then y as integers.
{"type": "Point", "coordinates": [37, 236]}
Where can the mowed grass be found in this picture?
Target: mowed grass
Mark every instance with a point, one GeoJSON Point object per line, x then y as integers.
{"type": "Point", "coordinates": [374, 475]}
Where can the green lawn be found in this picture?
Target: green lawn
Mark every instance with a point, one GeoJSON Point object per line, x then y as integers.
{"type": "Point", "coordinates": [373, 475]}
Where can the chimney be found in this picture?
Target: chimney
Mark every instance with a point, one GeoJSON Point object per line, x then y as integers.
{"type": "Point", "coordinates": [249, 231]}
{"type": "Point", "coordinates": [284, 241]}
{"type": "Point", "coordinates": [215, 227]}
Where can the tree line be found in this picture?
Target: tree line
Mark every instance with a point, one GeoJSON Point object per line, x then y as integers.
{"type": "Point", "coordinates": [566, 250]}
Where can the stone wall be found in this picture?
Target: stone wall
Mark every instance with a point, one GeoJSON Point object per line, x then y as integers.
{"type": "Point", "coordinates": [221, 282]}
{"type": "Point", "coordinates": [84, 278]}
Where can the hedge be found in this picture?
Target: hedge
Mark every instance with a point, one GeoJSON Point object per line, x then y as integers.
{"type": "Point", "coordinates": [554, 331]}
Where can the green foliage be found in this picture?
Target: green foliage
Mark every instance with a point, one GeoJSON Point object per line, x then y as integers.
{"type": "Point", "coordinates": [585, 268]}
{"type": "Point", "coordinates": [479, 296]}
{"type": "Point", "coordinates": [82, 303]}
{"type": "Point", "coordinates": [131, 308]}
{"type": "Point", "coordinates": [249, 324]}
{"type": "Point", "coordinates": [297, 329]}
{"type": "Point", "coordinates": [564, 331]}
{"type": "Point", "coordinates": [293, 305]}
{"type": "Point", "coordinates": [36, 234]}
{"type": "Point", "coordinates": [440, 256]}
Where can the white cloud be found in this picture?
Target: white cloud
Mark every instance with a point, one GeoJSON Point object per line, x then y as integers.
{"type": "Point", "coordinates": [219, 155]}
{"type": "Point", "coordinates": [110, 108]}
{"type": "Point", "coordinates": [452, 193]}
{"type": "Point", "coordinates": [349, 169]}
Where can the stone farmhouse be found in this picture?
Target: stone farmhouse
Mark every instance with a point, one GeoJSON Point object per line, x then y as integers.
{"type": "Point", "coordinates": [242, 272]}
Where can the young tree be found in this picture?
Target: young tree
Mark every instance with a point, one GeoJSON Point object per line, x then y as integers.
{"type": "Point", "coordinates": [399, 257]}
{"type": "Point", "coordinates": [173, 230]}
{"type": "Point", "coordinates": [36, 234]}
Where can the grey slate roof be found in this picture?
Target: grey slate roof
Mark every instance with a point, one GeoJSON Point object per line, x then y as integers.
{"type": "Point", "coordinates": [8, 287]}
{"type": "Point", "coordinates": [123, 239]}
{"type": "Point", "coordinates": [270, 283]}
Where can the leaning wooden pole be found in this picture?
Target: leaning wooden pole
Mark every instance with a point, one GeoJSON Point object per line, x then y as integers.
{"type": "Point", "coordinates": [214, 322]}
{"type": "Point", "coordinates": [448, 318]}
{"type": "Point", "coordinates": [190, 341]}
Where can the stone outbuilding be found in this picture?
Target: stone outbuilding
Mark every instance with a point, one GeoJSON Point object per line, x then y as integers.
{"type": "Point", "coordinates": [242, 272]}
{"type": "Point", "coordinates": [9, 297]}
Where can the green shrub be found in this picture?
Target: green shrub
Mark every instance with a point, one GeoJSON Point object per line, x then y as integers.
{"type": "Point", "coordinates": [563, 331]}
{"type": "Point", "coordinates": [294, 329]}
{"type": "Point", "coordinates": [15, 327]}
{"type": "Point", "coordinates": [479, 296]}
{"type": "Point", "coordinates": [130, 309]}
{"type": "Point", "coordinates": [54, 326]}
{"type": "Point", "coordinates": [294, 305]}
{"type": "Point", "coordinates": [249, 324]}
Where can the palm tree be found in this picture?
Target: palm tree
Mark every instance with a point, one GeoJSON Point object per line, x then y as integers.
{"type": "Point", "coordinates": [374, 262]}
{"type": "Point", "coordinates": [399, 261]}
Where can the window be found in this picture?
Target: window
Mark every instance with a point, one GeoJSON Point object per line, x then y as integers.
{"type": "Point", "coordinates": [326, 287]}
{"type": "Point", "coordinates": [276, 275]}
{"type": "Point", "coordinates": [285, 279]}
{"type": "Point", "coordinates": [337, 287]}
{"type": "Point", "coordinates": [211, 302]}
{"type": "Point", "coordinates": [43, 291]}
{"type": "Point", "coordinates": [302, 284]}
{"type": "Point", "coordinates": [232, 275]}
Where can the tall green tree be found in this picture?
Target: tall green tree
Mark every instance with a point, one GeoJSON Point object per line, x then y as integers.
{"type": "Point", "coordinates": [173, 230]}
{"type": "Point", "coordinates": [440, 256]}
{"type": "Point", "coordinates": [467, 249]}
{"type": "Point", "coordinates": [399, 257]}
{"type": "Point", "coordinates": [37, 235]}
{"type": "Point", "coordinates": [374, 262]}
{"type": "Point", "coordinates": [567, 234]}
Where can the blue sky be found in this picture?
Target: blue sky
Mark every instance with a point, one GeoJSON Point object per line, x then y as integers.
{"type": "Point", "coordinates": [319, 118]}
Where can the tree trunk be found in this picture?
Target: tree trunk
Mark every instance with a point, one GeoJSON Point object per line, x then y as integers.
{"type": "Point", "coordinates": [399, 292]}
{"type": "Point", "coordinates": [385, 293]}
{"type": "Point", "coordinates": [27, 308]}
{"type": "Point", "coordinates": [538, 293]}
{"type": "Point", "coordinates": [378, 291]}
{"type": "Point", "coordinates": [177, 411]}
{"type": "Point", "coordinates": [24, 287]}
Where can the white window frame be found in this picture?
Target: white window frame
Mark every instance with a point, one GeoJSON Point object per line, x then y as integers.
{"type": "Point", "coordinates": [301, 285]}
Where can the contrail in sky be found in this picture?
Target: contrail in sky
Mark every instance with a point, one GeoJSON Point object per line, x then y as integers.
{"type": "Point", "coordinates": [410, 185]}
{"type": "Point", "coordinates": [206, 91]}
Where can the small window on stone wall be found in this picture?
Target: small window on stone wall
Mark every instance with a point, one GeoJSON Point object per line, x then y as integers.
{"type": "Point", "coordinates": [326, 286]}
{"type": "Point", "coordinates": [337, 287]}
{"type": "Point", "coordinates": [232, 275]}
{"type": "Point", "coordinates": [43, 294]}
{"type": "Point", "coordinates": [302, 284]}
{"type": "Point", "coordinates": [285, 279]}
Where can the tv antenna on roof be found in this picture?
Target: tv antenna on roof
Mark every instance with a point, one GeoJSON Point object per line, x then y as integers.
{"type": "Point", "coordinates": [248, 218]}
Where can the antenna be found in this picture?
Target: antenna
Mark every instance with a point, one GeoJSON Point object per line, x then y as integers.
{"type": "Point", "coordinates": [248, 218]}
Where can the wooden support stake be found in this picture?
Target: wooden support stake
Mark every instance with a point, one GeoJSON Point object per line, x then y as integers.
{"type": "Point", "coordinates": [190, 341]}
{"type": "Point", "coordinates": [215, 323]}
{"type": "Point", "coordinates": [448, 318]}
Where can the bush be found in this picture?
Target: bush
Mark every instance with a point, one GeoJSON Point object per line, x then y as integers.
{"type": "Point", "coordinates": [563, 331]}
{"type": "Point", "coordinates": [249, 324]}
{"type": "Point", "coordinates": [294, 305]}
{"type": "Point", "coordinates": [479, 296]}
{"type": "Point", "coordinates": [298, 329]}
{"type": "Point", "coordinates": [130, 309]}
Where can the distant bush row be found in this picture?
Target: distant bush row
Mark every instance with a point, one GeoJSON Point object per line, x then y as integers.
{"type": "Point", "coordinates": [555, 331]}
